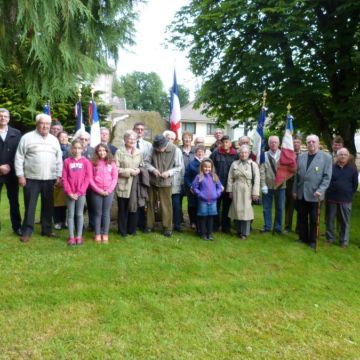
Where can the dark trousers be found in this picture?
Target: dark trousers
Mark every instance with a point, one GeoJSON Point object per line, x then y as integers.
{"type": "Point", "coordinates": [177, 213]}
{"type": "Point", "coordinates": [290, 206]}
{"type": "Point", "coordinates": [12, 190]}
{"type": "Point", "coordinates": [31, 193]}
{"type": "Point", "coordinates": [206, 224]}
{"type": "Point", "coordinates": [307, 215]}
{"type": "Point", "coordinates": [59, 214]}
{"type": "Point", "coordinates": [90, 210]}
{"type": "Point", "coordinates": [141, 216]}
{"type": "Point", "coordinates": [223, 205]}
{"type": "Point", "coordinates": [127, 221]}
{"type": "Point", "coordinates": [192, 208]}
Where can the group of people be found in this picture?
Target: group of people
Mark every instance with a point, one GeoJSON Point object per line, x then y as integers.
{"type": "Point", "coordinates": [150, 181]}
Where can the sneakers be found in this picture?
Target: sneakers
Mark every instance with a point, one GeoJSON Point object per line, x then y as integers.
{"type": "Point", "coordinates": [72, 241]}
{"type": "Point", "coordinates": [97, 239]}
{"type": "Point", "coordinates": [58, 226]}
{"type": "Point", "coordinates": [167, 233]}
{"type": "Point", "coordinates": [105, 239]}
{"type": "Point", "coordinates": [79, 240]}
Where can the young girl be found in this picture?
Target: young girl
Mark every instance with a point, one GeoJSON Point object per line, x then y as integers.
{"type": "Point", "coordinates": [102, 183]}
{"type": "Point", "coordinates": [75, 178]}
{"type": "Point", "coordinates": [207, 188]}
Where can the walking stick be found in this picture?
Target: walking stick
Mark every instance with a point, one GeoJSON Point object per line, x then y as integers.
{"type": "Point", "coordinates": [317, 226]}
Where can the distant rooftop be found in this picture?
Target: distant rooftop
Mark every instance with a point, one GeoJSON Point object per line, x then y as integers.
{"type": "Point", "coordinates": [188, 113]}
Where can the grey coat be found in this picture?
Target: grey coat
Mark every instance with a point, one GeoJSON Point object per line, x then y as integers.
{"type": "Point", "coordinates": [316, 178]}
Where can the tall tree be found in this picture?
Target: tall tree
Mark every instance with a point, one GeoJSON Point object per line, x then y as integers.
{"type": "Point", "coordinates": [47, 46]}
{"type": "Point", "coordinates": [144, 91]}
{"type": "Point", "coordinates": [305, 52]}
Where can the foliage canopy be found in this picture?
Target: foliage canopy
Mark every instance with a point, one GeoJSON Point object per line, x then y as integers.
{"type": "Point", "coordinates": [303, 52]}
{"type": "Point", "coordinates": [46, 47]}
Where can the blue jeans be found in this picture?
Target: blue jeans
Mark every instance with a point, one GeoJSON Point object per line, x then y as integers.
{"type": "Point", "coordinates": [267, 199]}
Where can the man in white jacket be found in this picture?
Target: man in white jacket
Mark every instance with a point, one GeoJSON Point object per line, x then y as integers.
{"type": "Point", "coordinates": [38, 166]}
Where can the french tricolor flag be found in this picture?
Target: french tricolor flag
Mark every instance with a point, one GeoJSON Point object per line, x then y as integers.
{"type": "Point", "coordinates": [175, 115]}
{"type": "Point", "coordinates": [287, 163]}
{"type": "Point", "coordinates": [95, 137]}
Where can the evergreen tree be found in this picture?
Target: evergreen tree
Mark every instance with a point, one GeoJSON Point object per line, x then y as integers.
{"type": "Point", "coordinates": [47, 47]}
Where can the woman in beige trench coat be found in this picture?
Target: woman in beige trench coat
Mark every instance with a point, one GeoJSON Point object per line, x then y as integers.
{"type": "Point", "coordinates": [243, 187]}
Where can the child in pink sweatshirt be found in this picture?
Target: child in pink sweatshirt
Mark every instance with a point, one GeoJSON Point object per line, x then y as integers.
{"type": "Point", "coordinates": [102, 183]}
{"type": "Point", "coordinates": [76, 177]}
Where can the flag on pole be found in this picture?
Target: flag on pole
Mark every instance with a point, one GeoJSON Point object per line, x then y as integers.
{"type": "Point", "coordinates": [79, 117]}
{"type": "Point", "coordinates": [287, 163]}
{"type": "Point", "coordinates": [175, 115]}
{"type": "Point", "coordinates": [47, 109]}
{"type": "Point", "coordinates": [259, 145]}
{"type": "Point", "coordinates": [95, 138]}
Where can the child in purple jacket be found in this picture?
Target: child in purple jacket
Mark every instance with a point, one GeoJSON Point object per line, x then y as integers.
{"type": "Point", "coordinates": [75, 178]}
{"type": "Point", "coordinates": [207, 188]}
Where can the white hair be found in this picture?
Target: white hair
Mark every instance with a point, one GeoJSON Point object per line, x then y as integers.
{"type": "Point", "coordinates": [313, 137]}
{"type": "Point", "coordinates": [45, 117]}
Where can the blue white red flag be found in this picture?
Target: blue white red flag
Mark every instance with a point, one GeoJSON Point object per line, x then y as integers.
{"type": "Point", "coordinates": [287, 163]}
{"type": "Point", "coordinates": [95, 137]}
{"type": "Point", "coordinates": [175, 114]}
{"type": "Point", "coordinates": [259, 144]}
{"type": "Point", "coordinates": [79, 117]}
{"type": "Point", "coordinates": [47, 109]}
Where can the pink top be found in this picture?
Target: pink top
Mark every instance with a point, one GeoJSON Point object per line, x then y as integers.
{"type": "Point", "coordinates": [76, 176]}
{"type": "Point", "coordinates": [104, 177]}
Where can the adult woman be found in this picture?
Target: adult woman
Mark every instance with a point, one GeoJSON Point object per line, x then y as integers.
{"type": "Point", "coordinates": [190, 173]}
{"type": "Point", "coordinates": [128, 161]}
{"type": "Point", "coordinates": [243, 186]}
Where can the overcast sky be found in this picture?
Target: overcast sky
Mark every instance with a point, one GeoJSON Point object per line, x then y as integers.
{"type": "Point", "coordinates": [149, 53]}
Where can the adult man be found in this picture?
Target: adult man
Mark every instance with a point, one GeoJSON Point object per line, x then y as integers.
{"type": "Point", "coordinates": [268, 188]}
{"type": "Point", "coordinates": [105, 138]}
{"type": "Point", "coordinates": [311, 181]}
{"type": "Point", "coordinates": [218, 134]}
{"type": "Point", "coordinates": [144, 146]}
{"type": "Point", "coordinates": [9, 140]}
{"type": "Point", "coordinates": [343, 185]}
{"type": "Point", "coordinates": [177, 183]}
{"type": "Point", "coordinates": [222, 158]}
{"type": "Point", "coordinates": [336, 144]}
{"type": "Point", "coordinates": [56, 127]}
{"type": "Point", "coordinates": [84, 137]}
{"type": "Point", "coordinates": [200, 141]}
{"type": "Point", "coordinates": [290, 202]}
{"type": "Point", "coordinates": [38, 166]}
{"type": "Point", "coordinates": [162, 167]}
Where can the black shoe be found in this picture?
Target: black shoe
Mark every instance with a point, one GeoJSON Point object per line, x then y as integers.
{"type": "Point", "coordinates": [167, 233]}
{"type": "Point", "coordinates": [278, 232]}
{"type": "Point", "coordinates": [312, 245]}
{"type": "Point", "coordinates": [147, 231]}
{"type": "Point", "coordinates": [178, 230]}
{"type": "Point", "coordinates": [18, 232]}
{"type": "Point", "coordinates": [50, 235]}
{"type": "Point", "coordinates": [210, 237]}
{"type": "Point", "coordinates": [204, 237]}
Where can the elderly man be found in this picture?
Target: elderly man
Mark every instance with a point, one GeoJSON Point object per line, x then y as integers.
{"type": "Point", "coordinates": [343, 186]}
{"type": "Point", "coordinates": [162, 165]}
{"type": "Point", "coordinates": [218, 134]}
{"type": "Point", "coordinates": [56, 127]}
{"type": "Point", "coordinates": [267, 183]}
{"type": "Point", "coordinates": [311, 181]}
{"type": "Point", "coordinates": [200, 141]}
{"type": "Point", "coordinates": [38, 166]}
{"type": "Point", "coordinates": [144, 146]}
{"type": "Point", "coordinates": [9, 140]}
{"type": "Point", "coordinates": [177, 183]}
{"type": "Point", "coordinates": [105, 138]}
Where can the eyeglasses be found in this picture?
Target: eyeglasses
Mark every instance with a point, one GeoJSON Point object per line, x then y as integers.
{"type": "Point", "coordinates": [84, 139]}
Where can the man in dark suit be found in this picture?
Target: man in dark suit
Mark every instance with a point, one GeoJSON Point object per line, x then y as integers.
{"type": "Point", "coordinates": [9, 140]}
{"type": "Point", "coordinates": [311, 181]}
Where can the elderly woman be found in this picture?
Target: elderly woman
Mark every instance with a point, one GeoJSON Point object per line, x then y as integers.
{"type": "Point", "coordinates": [128, 161]}
{"type": "Point", "coordinates": [339, 195]}
{"type": "Point", "coordinates": [243, 187]}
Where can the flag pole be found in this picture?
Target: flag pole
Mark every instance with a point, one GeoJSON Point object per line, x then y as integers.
{"type": "Point", "coordinates": [264, 99]}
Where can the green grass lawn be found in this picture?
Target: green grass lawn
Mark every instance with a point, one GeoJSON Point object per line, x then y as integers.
{"type": "Point", "coordinates": [151, 297]}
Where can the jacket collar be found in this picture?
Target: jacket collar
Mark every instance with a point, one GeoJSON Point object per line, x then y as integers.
{"type": "Point", "coordinates": [223, 152]}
